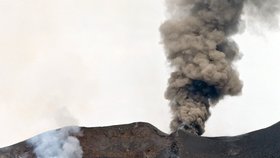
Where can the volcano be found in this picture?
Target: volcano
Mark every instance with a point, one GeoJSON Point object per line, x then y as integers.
{"type": "Point", "coordinates": [142, 140]}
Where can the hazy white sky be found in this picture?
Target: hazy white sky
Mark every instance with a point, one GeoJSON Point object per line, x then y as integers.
{"type": "Point", "coordinates": [97, 63]}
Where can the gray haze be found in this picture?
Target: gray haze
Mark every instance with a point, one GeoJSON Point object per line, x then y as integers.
{"type": "Point", "coordinates": [263, 13]}
{"type": "Point", "coordinates": [72, 62]}
{"type": "Point", "coordinates": [199, 47]}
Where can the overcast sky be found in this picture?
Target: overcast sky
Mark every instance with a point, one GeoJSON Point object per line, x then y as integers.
{"type": "Point", "coordinates": [98, 63]}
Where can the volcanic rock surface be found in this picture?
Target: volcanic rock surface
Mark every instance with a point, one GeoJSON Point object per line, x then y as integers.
{"type": "Point", "coordinates": [142, 140]}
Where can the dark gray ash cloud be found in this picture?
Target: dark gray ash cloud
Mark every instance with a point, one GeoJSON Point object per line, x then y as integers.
{"type": "Point", "coordinates": [198, 44]}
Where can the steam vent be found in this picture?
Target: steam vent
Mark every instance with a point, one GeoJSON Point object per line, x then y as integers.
{"type": "Point", "coordinates": [142, 140]}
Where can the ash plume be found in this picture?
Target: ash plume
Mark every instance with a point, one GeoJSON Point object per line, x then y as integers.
{"type": "Point", "coordinates": [199, 47]}
{"type": "Point", "coordinates": [60, 143]}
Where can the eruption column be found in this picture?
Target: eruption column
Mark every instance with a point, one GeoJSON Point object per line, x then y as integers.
{"type": "Point", "coordinates": [199, 48]}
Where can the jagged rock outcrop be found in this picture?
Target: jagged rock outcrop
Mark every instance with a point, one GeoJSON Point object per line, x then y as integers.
{"type": "Point", "coordinates": [142, 140]}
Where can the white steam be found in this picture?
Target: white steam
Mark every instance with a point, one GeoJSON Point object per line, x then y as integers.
{"type": "Point", "coordinates": [60, 143]}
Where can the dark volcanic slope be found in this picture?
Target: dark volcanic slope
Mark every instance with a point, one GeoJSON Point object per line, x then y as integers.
{"type": "Point", "coordinates": [264, 143]}
{"type": "Point", "coordinates": [142, 140]}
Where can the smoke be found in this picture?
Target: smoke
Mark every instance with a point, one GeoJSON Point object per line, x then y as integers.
{"type": "Point", "coordinates": [60, 143]}
{"type": "Point", "coordinates": [64, 117]}
{"type": "Point", "coordinates": [198, 43]}
{"type": "Point", "coordinates": [264, 13]}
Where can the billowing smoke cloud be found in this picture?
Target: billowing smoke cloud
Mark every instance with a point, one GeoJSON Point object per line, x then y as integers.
{"type": "Point", "coordinates": [197, 39]}
{"type": "Point", "coordinates": [60, 143]}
